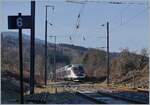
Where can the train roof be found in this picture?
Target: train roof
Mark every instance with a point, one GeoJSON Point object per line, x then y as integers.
{"type": "Point", "coordinates": [76, 65]}
{"type": "Point", "coordinates": [67, 66]}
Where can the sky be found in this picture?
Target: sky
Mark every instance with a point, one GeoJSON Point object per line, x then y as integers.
{"type": "Point", "coordinates": [128, 23]}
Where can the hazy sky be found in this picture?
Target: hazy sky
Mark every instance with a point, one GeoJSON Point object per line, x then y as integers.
{"type": "Point", "coordinates": [128, 22]}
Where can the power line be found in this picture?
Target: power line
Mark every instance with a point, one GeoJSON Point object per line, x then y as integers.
{"type": "Point", "coordinates": [50, 22]}
{"type": "Point", "coordinates": [79, 17]}
{"type": "Point", "coordinates": [106, 2]}
{"type": "Point", "coordinates": [83, 2]}
{"type": "Point", "coordinates": [131, 19]}
{"type": "Point", "coordinates": [77, 24]}
{"type": "Point", "coordinates": [46, 21]}
{"type": "Point", "coordinates": [120, 13]}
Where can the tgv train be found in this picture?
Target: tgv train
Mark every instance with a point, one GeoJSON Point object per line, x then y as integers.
{"type": "Point", "coordinates": [71, 72]}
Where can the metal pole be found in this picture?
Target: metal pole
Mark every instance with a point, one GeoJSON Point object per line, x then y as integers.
{"type": "Point", "coordinates": [55, 60]}
{"type": "Point", "coordinates": [108, 69]}
{"type": "Point", "coordinates": [32, 48]}
{"type": "Point", "coordinates": [46, 43]}
{"type": "Point", "coordinates": [46, 47]}
{"type": "Point", "coordinates": [21, 64]}
{"type": "Point", "coordinates": [133, 80]}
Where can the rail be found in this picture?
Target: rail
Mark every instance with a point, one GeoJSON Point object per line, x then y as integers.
{"type": "Point", "coordinates": [37, 98]}
{"type": "Point", "coordinates": [123, 98]}
{"type": "Point", "coordinates": [104, 98]}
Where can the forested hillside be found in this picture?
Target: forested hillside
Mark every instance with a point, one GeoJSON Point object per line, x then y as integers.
{"type": "Point", "coordinates": [124, 65]}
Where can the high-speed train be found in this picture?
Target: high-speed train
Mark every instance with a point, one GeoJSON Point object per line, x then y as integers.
{"type": "Point", "coordinates": [71, 72]}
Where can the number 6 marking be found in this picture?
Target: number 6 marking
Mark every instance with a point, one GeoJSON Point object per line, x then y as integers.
{"type": "Point", "coordinates": [19, 22]}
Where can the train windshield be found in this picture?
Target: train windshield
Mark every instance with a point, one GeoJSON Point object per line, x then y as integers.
{"type": "Point", "coordinates": [78, 70]}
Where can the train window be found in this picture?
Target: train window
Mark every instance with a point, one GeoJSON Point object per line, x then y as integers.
{"type": "Point", "coordinates": [81, 69]}
{"type": "Point", "coordinates": [78, 70]}
{"type": "Point", "coordinates": [69, 65]}
{"type": "Point", "coordinates": [75, 68]}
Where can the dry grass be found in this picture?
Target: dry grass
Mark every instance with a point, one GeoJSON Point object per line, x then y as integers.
{"type": "Point", "coordinates": [50, 89]}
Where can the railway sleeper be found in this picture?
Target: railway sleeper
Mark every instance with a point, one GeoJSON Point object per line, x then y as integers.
{"type": "Point", "coordinates": [38, 98]}
{"type": "Point", "coordinates": [90, 98]}
{"type": "Point", "coordinates": [124, 98]}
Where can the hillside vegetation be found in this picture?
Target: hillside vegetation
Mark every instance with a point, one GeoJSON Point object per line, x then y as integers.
{"type": "Point", "coordinates": [124, 65]}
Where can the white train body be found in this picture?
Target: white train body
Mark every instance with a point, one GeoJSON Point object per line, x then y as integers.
{"type": "Point", "coordinates": [71, 72]}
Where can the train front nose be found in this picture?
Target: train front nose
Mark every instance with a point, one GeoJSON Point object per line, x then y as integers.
{"type": "Point", "coordinates": [78, 72]}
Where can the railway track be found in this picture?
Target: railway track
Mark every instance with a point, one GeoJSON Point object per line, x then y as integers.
{"type": "Point", "coordinates": [36, 98]}
{"type": "Point", "coordinates": [129, 99]}
{"type": "Point", "coordinates": [103, 98]}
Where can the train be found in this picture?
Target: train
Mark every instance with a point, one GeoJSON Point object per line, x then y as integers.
{"type": "Point", "coordinates": [74, 72]}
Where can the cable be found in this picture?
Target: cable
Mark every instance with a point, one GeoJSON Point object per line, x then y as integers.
{"type": "Point", "coordinates": [78, 21]}
{"type": "Point", "coordinates": [84, 39]}
{"type": "Point", "coordinates": [51, 22]}
{"type": "Point", "coordinates": [113, 2]}
{"type": "Point", "coordinates": [129, 4]}
{"type": "Point", "coordinates": [135, 16]}
{"type": "Point", "coordinates": [120, 13]}
{"type": "Point", "coordinates": [79, 17]}
{"type": "Point", "coordinates": [132, 18]}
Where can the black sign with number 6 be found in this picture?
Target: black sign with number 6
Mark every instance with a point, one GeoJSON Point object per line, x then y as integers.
{"type": "Point", "coordinates": [16, 22]}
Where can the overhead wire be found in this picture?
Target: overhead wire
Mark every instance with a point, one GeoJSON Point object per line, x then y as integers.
{"type": "Point", "coordinates": [120, 17]}
{"type": "Point", "coordinates": [122, 12]}
{"type": "Point", "coordinates": [77, 24]}
{"type": "Point", "coordinates": [130, 19]}
{"type": "Point", "coordinates": [51, 21]}
{"type": "Point", "coordinates": [129, 4]}
{"type": "Point", "coordinates": [122, 23]}
{"type": "Point", "coordinates": [105, 2]}
{"type": "Point", "coordinates": [79, 17]}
